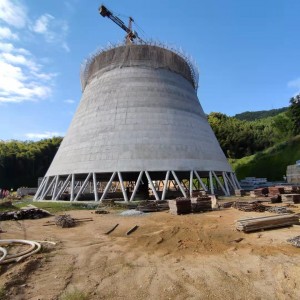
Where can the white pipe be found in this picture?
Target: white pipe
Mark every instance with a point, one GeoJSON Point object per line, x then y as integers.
{"type": "Point", "coordinates": [3, 250]}
{"type": "Point", "coordinates": [35, 247]}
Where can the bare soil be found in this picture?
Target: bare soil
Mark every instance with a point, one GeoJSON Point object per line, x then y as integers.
{"type": "Point", "coordinates": [196, 256]}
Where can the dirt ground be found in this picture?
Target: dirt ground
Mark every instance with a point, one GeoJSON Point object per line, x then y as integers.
{"type": "Point", "coordinates": [168, 257]}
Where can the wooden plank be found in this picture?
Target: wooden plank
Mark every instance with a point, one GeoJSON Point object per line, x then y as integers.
{"type": "Point", "coordinates": [112, 229]}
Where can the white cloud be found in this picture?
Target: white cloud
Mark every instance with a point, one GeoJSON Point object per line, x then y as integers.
{"type": "Point", "coordinates": [53, 30]}
{"type": "Point", "coordinates": [13, 13]}
{"type": "Point", "coordinates": [42, 23]}
{"type": "Point", "coordinates": [20, 60]}
{"type": "Point", "coordinates": [69, 101]}
{"type": "Point", "coordinates": [65, 47]}
{"type": "Point", "coordinates": [6, 33]}
{"type": "Point", "coordinates": [21, 78]}
{"type": "Point", "coordinates": [6, 47]}
{"type": "Point", "coordinates": [43, 135]}
{"type": "Point", "coordinates": [295, 84]}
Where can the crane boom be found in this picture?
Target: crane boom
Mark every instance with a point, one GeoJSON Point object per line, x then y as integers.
{"type": "Point", "coordinates": [131, 35]}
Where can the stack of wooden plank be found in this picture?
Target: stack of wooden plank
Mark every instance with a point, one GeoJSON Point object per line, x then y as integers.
{"type": "Point", "coordinates": [260, 192]}
{"type": "Point", "coordinates": [180, 206]}
{"type": "Point", "coordinates": [275, 199]}
{"type": "Point", "coordinates": [291, 189]}
{"type": "Point", "coordinates": [201, 204]}
{"type": "Point", "coordinates": [240, 193]}
{"type": "Point", "coordinates": [197, 193]}
{"type": "Point", "coordinates": [291, 198]}
{"type": "Point", "coordinates": [276, 190]}
{"type": "Point", "coordinates": [261, 223]}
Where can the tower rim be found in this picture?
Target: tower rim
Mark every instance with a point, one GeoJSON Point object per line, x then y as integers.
{"type": "Point", "coordinates": [91, 64]}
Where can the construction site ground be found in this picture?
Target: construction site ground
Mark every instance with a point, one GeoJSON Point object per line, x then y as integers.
{"type": "Point", "coordinates": [195, 256]}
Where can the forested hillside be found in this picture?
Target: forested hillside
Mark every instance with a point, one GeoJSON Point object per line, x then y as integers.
{"type": "Point", "coordinates": [239, 138]}
{"type": "Point", "coordinates": [21, 163]}
{"type": "Point", "coordinates": [262, 147]}
{"type": "Point", "coordinates": [255, 115]}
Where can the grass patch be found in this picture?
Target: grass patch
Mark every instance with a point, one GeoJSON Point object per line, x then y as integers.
{"type": "Point", "coordinates": [52, 207]}
{"type": "Point", "coordinates": [74, 295]}
{"type": "Point", "coordinates": [2, 293]}
{"type": "Point", "coordinates": [6, 205]}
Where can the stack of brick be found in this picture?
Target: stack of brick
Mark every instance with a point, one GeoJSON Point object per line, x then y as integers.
{"type": "Point", "coordinates": [201, 204]}
{"type": "Point", "coordinates": [180, 206]}
{"type": "Point", "coordinates": [260, 192]}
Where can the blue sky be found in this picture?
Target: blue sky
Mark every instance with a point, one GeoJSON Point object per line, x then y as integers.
{"type": "Point", "coordinates": [247, 53]}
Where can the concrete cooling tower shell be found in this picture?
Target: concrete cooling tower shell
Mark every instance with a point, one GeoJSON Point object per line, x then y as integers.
{"type": "Point", "coordinates": [139, 122]}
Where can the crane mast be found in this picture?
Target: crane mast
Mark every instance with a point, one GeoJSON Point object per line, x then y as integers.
{"type": "Point", "coordinates": [131, 35]}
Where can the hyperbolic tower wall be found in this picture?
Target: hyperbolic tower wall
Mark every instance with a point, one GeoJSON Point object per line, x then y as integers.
{"type": "Point", "coordinates": [139, 123]}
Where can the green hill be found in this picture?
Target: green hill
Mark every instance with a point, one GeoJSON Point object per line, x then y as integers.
{"type": "Point", "coordinates": [261, 114]}
{"type": "Point", "coordinates": [270, 163]}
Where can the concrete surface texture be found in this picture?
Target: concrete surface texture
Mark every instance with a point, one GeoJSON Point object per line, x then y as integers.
{"type": "Point", "coordinates": [139, 111]}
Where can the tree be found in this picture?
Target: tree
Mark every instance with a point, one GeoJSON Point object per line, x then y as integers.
{"type": "Point", "coordinates": [294, 110]}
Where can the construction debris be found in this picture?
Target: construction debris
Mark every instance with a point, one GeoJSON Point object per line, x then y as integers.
{"type": "Point", "coordinates": [100, 211]}
{"type": "Point", "coordinates": [279, 210]}
{"type": "Point", "coordinates": [65, 221]}
{"type": "Point", "coordinates": [295, 241]}
{"type": "Point", "coordinates": [32, 213]}
{"type": "Point", "coordinates": [131, 212]}
{"type": "Point", "coordinates": [262, 223]}
{"type": "Point", "coordinates": [201, 204]}
{"type": "Point", "coordinates": [153, 206]}
{"type": "Point", "coordinates": [249, 206]}
{"type": "Point", "coordinates": [180, 206]}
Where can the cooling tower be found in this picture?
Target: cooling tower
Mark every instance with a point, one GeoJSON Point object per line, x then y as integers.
{"type": "Point", "coordinates": [139, 129]}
